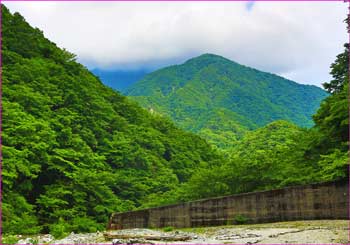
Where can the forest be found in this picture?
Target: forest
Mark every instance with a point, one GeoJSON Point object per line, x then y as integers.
{"type": "Point", "coordinates": [220, 99]}
{"type": "Point", "coordinates": [74, 150]}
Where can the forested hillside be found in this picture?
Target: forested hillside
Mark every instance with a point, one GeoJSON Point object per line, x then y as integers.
{"type": "Point", "coordinates": [280, 153]}
{"type": "Point", "coordinates": [74, 150]}
{"type": "Point", "coordinates": [220, 99]}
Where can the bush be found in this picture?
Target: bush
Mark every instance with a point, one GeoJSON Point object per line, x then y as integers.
{"type": "Point", "coordinates": [241, 219]}
{"type": "Point", "coordinates": [60, 229]}
{"type": "Point", "coordinates": [168, 228]}
{"type": "Point", "coordinates": [85, 224]}
{"type": "Point", "coordinates": [18, 216]}
{"type": "Point", "coordinates": [11, 239]}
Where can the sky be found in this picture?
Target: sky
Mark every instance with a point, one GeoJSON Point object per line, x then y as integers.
{"type": "Point", "coordinates": [297, 40]}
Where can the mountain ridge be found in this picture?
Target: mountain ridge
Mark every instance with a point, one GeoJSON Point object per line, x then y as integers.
{"type": "Point", "coordinates": [189, 92]}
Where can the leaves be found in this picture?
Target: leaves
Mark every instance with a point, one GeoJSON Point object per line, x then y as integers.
{"type": "Point", "coordinates": [74, 150]}
{"type": "Point", "coordinates": [220, 99]}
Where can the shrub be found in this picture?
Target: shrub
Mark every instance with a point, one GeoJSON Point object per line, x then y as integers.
{"type": "Point", "coordinates": [11, 239]}
{"type": "Point", "coordinates": [168, 228]}
{"type": "Point", "coordinates": [18, 217]}
{"type": "Point", "coordinates": [85, 224]}
{"type": "Point", "coordinates": [60, 229]}
{"type": "Point", "coordinates": [241, 219]}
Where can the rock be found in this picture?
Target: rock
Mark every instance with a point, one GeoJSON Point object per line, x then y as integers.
{"type": "Point", "coordinates": [81, 238]}
{"type": "Point", "coordinates": [117, 241]}
{"type": "Point", "coordinates": [131, 241]}
{"type": "Point", "coordinates": [138, 241]}
{"type": "Point", "coordinates": [46, 238]}
{"type": "Point", "coordinates": [266, 234]}
{"type": "Point", "coordinates": [135, 241]}
{"type": "Point", "coordinates": [28, 240]}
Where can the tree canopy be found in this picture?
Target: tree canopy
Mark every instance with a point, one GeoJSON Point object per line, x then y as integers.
{"type": "Point", "coordinates": [74, 150]}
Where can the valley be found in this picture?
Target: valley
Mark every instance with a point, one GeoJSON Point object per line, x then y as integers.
{"type": "Point", "coordinates": [75, 150]}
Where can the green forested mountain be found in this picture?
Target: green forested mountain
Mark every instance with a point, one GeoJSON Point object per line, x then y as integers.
{"type": "Point", "coordinates": [266, 158]}
{"type": "Point", "coordinates": [74, 150]}
{"type": "Point", "coordinates": [210, 87]}
{"type": "Point", "coordinates": [280, 153]}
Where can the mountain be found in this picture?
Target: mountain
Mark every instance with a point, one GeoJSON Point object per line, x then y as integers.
{"type": "Point", "coordinates": [119, 79]}
{"type": "Point", "coordinates": [266, 158]}
{"type": "Point", "coordinates": [212, 88]}
{"type": "Point", "coordinates": [74, 150]}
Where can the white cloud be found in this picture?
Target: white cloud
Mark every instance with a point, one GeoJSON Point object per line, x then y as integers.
{"type": "Point", "coordinates": [298, 40]}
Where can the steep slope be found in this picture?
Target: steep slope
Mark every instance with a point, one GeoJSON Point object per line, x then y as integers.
{"type": "Point", "coordinates": [281, 153]}
{"type": "Point", "coordinates": [266, 158]}
{"type": "Point", "coordinates": [119, 79]}
{"type": "Point", "coordinates": [208, 86]}
{"type": "Point", "coordinates": [74, 150]}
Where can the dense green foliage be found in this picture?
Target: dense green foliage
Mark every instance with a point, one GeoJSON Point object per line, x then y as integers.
{"type": "Point", "coordinates": [331, 146]}
{"type": "Point", "coordinates": [267, 158]}
{"type": "Point", "coordinates": [281, 153]}
{"type": "Point", "coordinates": [74, 150]}
{"type": "Point", "coordinates": [238, 97]}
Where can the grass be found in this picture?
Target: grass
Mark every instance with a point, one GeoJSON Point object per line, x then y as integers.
{"type": "Point", "coordinates": [198, 230]}
{"type": "Point", "coordinates": [168, 229]}
{"type": "Point", "coordinates": [241, 219]}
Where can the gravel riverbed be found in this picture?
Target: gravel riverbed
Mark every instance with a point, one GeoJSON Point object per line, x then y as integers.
{"type": "Point", "coordinates": [295, 232]}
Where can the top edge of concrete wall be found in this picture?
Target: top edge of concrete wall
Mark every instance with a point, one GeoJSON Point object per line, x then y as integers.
{"type": "Point", "coordinates": [316, 184]}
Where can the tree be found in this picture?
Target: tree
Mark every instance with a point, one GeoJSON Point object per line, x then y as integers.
{"type": "Point", "coordinates": [339, 72]}
{"type": "Point", "coordinates": [332, 121]}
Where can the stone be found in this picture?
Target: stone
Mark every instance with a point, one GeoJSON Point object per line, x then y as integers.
{"type": "Point", "coordinates": [117, 241]}
{"type": "Point", "coordinates": [28, 240]}
{"type": "Point", "coordinates": [46, 238]}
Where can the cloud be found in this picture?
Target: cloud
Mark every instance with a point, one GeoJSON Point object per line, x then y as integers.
{"type": "Point", "coordinates": [298, 40]}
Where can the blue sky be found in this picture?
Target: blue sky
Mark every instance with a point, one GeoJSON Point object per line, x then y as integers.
{"type": "Point", "coordinates": [249, 5]}
{"type": "Point", "coordinates": [297, 40]}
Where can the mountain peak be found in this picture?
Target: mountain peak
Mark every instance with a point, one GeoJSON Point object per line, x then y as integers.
{"type": "Point", "coordinates": [208, 57]}
{"type": "Point", "coordinates": [209, 82]}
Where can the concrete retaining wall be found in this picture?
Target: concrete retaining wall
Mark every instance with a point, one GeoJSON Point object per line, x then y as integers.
{"type": "Point", "coordinates": [329, 200]}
